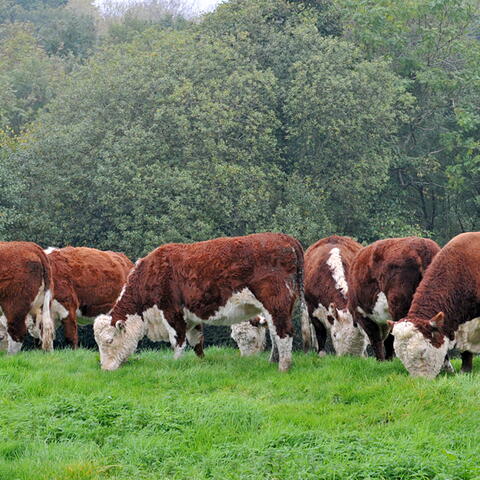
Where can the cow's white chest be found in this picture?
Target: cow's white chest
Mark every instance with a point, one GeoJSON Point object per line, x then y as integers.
{"type": "Point", "coordinates": [468, 336]}
{"type": "Point", "coordinates": [241, 306]}
{"type": "Point", "coordinates": [380, 313]}
{"type": "Point", "coordinates": [156, 325]}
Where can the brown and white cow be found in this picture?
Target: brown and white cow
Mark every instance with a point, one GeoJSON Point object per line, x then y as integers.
{"type": "Point", "coordinates": [25, 289]}
{"type": "Point", "coordinates": [327, 266]}
{"type": "Point", "coordinates": [86, 282]}
{"type": "Point", "coordinates": [179, 287]}
{"type": "Point", "coordinates": [445, 310]}
{"type": "Point", "coordinates": [383, 279]}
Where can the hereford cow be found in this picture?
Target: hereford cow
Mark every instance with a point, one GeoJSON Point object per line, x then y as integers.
{"type": "Point", "coordinates": [250, 336]}
{"type": "Point", "coordinates": [178, 287]}
{"type": "Point", "coordinates": [327, 266]}
{"type": "Point", "coordinates": [445, 310]}
{"type": "Point", "coordinates": [383, 279]}
{"type": "Point", "coordinates": [25, 288]}
{"type": "Point", "coordinates": [86, 282]}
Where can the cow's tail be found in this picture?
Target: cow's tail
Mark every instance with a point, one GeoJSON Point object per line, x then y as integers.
{"type": "Point", "coordinates": [48, 326]}
{"type": "Point", "coordinates": [305, 318]}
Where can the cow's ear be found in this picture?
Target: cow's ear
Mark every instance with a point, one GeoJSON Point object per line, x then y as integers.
{"type": "Point", "coordinates": [390, 325]}
{"type": "Point", "coordinates": [120, 325]}
{"type": "Point", "coordinates": [332, 314]}
{"type": "Point", "coordinates": [438, 321]}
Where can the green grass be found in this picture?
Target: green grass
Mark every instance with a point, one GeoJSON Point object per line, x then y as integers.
{"type": "Point", "coordinates": [227, 417]}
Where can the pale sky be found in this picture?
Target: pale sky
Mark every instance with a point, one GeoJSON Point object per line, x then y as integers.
{"type": "Point", "coordinates": [206, 3]}
{"type": "Point", "coordinates": [203, 5]}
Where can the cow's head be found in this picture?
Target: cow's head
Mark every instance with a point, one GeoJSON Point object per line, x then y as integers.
{"type": "Point", "coordinates": [250, 336]}
{"type": "Point", "coordinates": [421, 345]}
{"type": "Point", "coordinates": [347, 338]}
{"type": "Point", "coordinates": [3, 333]}
{"type": "Point", "coordinates": [117, 343]}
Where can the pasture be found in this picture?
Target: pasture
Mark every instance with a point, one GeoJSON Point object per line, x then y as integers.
{"type": "Point", "coordinates": [226, 417]}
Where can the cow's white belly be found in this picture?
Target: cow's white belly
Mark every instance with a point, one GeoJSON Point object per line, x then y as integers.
{"type": "Point", "coordinates": [380, 313]}
{"type": "Point", "coordinates": [467, 336]}
{"type": "Point", "coordinates": [241, 306]}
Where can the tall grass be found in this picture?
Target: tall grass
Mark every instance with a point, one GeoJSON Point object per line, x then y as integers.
{"type": "Point", "coordinates": [226, 417]}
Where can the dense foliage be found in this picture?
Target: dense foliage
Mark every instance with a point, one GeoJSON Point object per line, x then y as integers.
{"type": "Point", "coordinates": [308, 117]}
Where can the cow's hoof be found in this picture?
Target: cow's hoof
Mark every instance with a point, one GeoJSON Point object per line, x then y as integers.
{"type": "Point", "coordinates": [448, 368]}
{"type": "Point", "coordinates": [284, 366]}
{"type": "Point", "coordinates": [322, 353]}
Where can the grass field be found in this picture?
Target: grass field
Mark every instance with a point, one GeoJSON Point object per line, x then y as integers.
{"type": "Point", "coordinates": [227, 417]}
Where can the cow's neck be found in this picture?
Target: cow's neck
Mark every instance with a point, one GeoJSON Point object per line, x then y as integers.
{"type": "Point", "coordinates": [124, 306]}
{"type": "Point", "coordinates": [444, 290]}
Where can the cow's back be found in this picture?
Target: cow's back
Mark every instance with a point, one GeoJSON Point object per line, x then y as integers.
{"type": "Point", "coordinates": [204, 275]}
{"type": "Point", "coordinates": [20, 263]}
{"type": "Point", "coordinates": [95, 276]}
{"type": "Point", "coordinates": [387, 265]}
{"type": "Point", "coordinates": [320, 286]}
{"type": "Point", "coordinates": [234, 257]}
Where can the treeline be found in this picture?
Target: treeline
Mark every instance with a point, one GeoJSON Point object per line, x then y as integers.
{"type": "Point", "coordinates": [355, 117]}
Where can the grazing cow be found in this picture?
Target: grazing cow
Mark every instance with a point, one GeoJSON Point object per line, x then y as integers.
{"type": "Point", "coordinates": [327, 265]}
{"type": "Point", "coordinates": [25, 288]}
{"type": "Point", "coordinates": [383, 279]}
{"type": "Point", "coordinates": [178, 287]}
{"type": "Point", "coordinates": [445, 310]}
{"type": "Point", "coordinates": [250, 336]}
{"type": "Point", "coordinates": [86, 282]}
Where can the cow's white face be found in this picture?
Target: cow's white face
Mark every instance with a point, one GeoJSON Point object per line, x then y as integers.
{"type": "Point", "coordinates": [346, 338]}
{"type": "Point", "coordinates": [116, 344]}
{"type": "Point", "coordinates": [250, 339]}
{"type": "Point", "coordinates": [3, 333]}
{"type": "Point", "coordinates": [417, 354]}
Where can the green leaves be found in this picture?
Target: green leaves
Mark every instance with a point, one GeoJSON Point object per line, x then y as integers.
{"type": "Point", "coordinates": [308, 117]}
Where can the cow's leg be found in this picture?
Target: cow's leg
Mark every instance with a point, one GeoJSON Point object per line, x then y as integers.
{"type": "Point", "coordinates": [467, 362]}
{"type": "Point", "coordinates": [195, 339]}
{"type": "Point", "coordinates": [177, 329]}
{"type": "Point", "coordinates": [277, 302]}
{"type": "Point", "coordinates": [70, 327]}
{"type": "Point", "coordinates": [447, 366]}
{"type": "Point", "coordinates": [374, 334]}
{"type": "Point", "coordinates": [281, 332]}
{"type": "Point", "coordinates": [388, 345]}
{"type": "Point", "coordinates": [321, 334]}
{"type": "Point", "coordinates": [16, 327]}
{"type": "Point", "coordinates": [274, 351]}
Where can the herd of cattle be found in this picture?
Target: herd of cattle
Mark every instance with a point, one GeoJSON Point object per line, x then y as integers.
{"type": "Point", "coordinates": [403, 296]}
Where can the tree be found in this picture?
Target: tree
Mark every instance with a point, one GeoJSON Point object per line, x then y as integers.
{"type": "Point", "coordinates": [429, 44]}
{"type": "Point", "coordinates": [27, 76]}
{"type": "Point", "coordinates": [186, 135]}
{"type": "Point", "coordinates": [337, 134]}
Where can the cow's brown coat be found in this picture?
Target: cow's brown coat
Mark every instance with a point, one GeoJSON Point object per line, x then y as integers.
{"type": "Point", "coordinates": [202, 277]}
{"type": "Point", "coordinates": [451, 287]}
{"type": "Point", "coordinates": [395, 267]}
{"type": "Point", "coordinates": [88, 280]}
{"type": "Point", "coordinates": [320, 287]}
{"type": "Point", "coordinates": [24, 268]}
